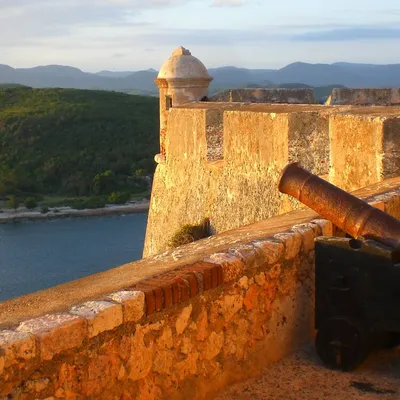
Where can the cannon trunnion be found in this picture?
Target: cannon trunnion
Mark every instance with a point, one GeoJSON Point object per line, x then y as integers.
{"type": "Point", "coordinates": [357, 293]}
{"type": "Point", "coordinates": [357, 299]}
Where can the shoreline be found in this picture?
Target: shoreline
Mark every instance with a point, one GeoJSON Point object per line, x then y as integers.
{"type": "Point", "coordinates": [8, 216]}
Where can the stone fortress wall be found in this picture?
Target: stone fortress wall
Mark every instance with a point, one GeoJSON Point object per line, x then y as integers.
{"type": "Point", "coordinates": [221, 158]}
{"type": "Point", "coordinates": [186, 322]}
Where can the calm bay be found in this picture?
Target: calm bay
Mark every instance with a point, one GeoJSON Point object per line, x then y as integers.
{"type": "Point", "coordinates": [38, 255]}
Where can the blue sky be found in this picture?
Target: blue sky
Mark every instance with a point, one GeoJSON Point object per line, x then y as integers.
{"type": "Point", "coordinates": [138, 34]}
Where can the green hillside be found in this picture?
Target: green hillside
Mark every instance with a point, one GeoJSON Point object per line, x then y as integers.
{"type": "Point", "coordinates": [75, 142]}
{"type": "Point", "coordinates": [12, 86]}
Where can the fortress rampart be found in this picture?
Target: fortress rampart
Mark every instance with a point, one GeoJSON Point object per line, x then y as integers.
{"type": "Point", "coordinates": [222, 160]}
{"type": "Point", "coordinates": [184, 323]}
{"type": "Point", "coordinates": [179, 325]}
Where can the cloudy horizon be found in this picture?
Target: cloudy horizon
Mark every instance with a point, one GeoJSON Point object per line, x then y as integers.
{"type": "Point", "coordinates": [119, 35]}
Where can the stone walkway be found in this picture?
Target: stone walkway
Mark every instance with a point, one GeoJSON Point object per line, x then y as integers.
{"type": "Point", "coordinates": [302, 377]}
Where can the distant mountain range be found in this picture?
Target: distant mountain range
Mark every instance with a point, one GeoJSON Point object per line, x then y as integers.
{"type": "Point", "coordinates": [142, 82]}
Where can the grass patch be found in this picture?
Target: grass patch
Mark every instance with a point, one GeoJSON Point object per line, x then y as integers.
{"type": "Point", "coordinates": [190, 233]}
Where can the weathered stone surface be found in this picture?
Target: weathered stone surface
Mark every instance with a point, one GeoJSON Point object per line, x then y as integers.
{"type": "Point", "coordinates": [37, 385]}
{"type": "Point", "coordinates": [236, 339]}
{"type": "Point", "coordinates": [187, 367]}
{"type": "Point", "coordinates": [325, 225]}
{"type": "Point", "coordinates": [292, 243]}
{"type": "Point", "coordinates": [249, 253]}
{"type": "Point", "coordinates": [133, 304]}
{"type": "Point", "coordinates": [272, 250]}
{"type": "Point", "coordinates": [148, 390]}
{"type": "Point", "coordinates": [230, 305]}
{"type": "Point", "coordinates": [309, 140]}
{"type": "Point", "coordinates": [163, 362]}
{"type": "Point", "coordinates": [187, 346]}
{"type": "Point", "coordinates": [103, 371]}
{"type": "Point", "coordinates": [56, 333]}
{"type": "Point", "coordinates": [140, 362]}
{"type": "Point", "coordinates": [183, 319]}
{"type": "Point", "coordinates": [250, 301]}
{"type": "Point", "coordinates": [16, 347]}
{"type": "Point", "coordinates": [166, 339]}
{"type": "Point", "coordinates": [244, 282]}
{"type": "Point", "coordinates": [372, 133]}
{"type": "Point", "coordinates": [101, 316]}
{"type": "Point", "coordinates": [266, 95]}
{"type": "Point", "coordinates": [364, 97]}
{"type": "Point", "coordinates": [202, 324]}
{"type": "Point", "coordinates": [258, 141]}
{"type": "Point", "coordinates": [213, 346]}
{"type": "Point", "coordinates": [260, 279]}
{"type": "Point", "coordinates": [70, 379]}
{"type": "Point", "coordinates": [308, 234]}
{"type": "Point", "coordinates": [193, 347]}
{"type": "Point", "coordinates": [232, 266]}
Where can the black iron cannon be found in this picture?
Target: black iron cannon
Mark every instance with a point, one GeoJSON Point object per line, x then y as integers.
{"type": "Point", "coordinates": [357, 278]}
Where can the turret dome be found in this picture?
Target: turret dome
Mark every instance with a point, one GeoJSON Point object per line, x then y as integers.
{"type": "Point", "coordinates": [182, 65]}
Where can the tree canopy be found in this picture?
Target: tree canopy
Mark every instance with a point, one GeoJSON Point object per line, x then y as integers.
{"type": "Point", "coordinates": [75, 142]}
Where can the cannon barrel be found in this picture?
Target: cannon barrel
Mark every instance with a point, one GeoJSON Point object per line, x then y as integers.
{"type": "Point", "coordinates": [354, 216]}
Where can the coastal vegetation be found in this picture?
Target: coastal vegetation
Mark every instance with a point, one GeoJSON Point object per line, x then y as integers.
{"type": "Point", "coordinates": [86, 147]}
{"type": "Point", "coordinates": [189, 233]}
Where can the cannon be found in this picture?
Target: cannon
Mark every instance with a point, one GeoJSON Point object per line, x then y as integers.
{"type": "Point", "coordinates": [357, 277]}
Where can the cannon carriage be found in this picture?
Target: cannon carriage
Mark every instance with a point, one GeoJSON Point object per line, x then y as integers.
{"type": "Point", "coordinates": [357, 278]}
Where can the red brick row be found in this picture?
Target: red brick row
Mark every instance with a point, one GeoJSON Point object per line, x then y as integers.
{"type": "Point", "coordinates": [178, 286]}
{"type": "Point", "coordinates": [212, 273]}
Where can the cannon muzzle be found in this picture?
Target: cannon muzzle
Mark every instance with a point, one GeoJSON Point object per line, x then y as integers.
{"type": "Point", "coordinates": [354, 216]}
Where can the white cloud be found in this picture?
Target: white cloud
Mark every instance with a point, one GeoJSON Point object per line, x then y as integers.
{"type": "Point", "coordinates": [228, 3]}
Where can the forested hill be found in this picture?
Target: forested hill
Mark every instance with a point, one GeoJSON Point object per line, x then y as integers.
{"type": "Point", "coordinates": [75, 142]}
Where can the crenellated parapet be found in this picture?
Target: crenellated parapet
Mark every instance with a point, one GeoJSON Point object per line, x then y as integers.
{"type": "Point", "coordinates": [221, 158]}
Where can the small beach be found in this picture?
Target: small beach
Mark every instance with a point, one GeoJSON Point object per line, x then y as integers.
{"type": "Point", "coordinates": [23, 214]}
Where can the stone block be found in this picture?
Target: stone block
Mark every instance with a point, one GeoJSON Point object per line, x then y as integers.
{"type": "Point", "coordinates": [232, 266]}
{"type": "Point", "coordinates": [56, 333]}
{"type": "Point", "coordinates": [213, 346]}
{"type": "Point", "coordinates": [325, 225]}
{"type": "Point", "coordinates": [183, 319]}
{"type": "Point", "coordinates": [365, 97]}
{"type": "Point", "coordinates": [272, 250]}
{"type": "Point", "coordinates": [16, 347]}
{"type": "Point", "coordinates": [149, 298]}
{"type": "Point", "coordinates": [292, 242]}
{"type": "Point", "coordinates": [101, 316]}
{"type": "Point", "coordinates": [37, 385]}
{"type": "Point", "coordinates": [251, 255]}
{"type": "Point", "coordinates": [351, 135]}
{"type": "Point", "coordinates": [308, 139]}
{"type": "Point", "coordinates": [230, 305]}
{"type": "Point", "coordinates": [133, 304]}
{"type": "Point", "coordinates": [391, 153]}
{"type": "Point", "coordinates": [266, 95]}
{"type": "Point", "coordinates": [308, 234]}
